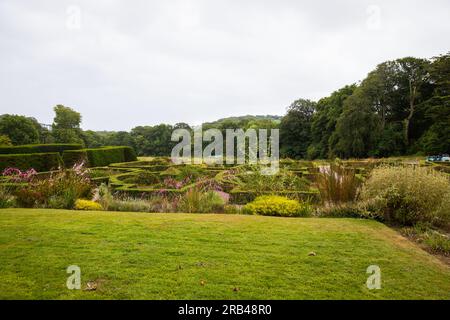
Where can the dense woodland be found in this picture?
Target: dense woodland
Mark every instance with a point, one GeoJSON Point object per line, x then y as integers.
{"type": "Point", "coordinates": [402, 107]}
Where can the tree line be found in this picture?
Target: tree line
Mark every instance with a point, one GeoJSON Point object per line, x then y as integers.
{"type": "Point", "coordinates": [402, 107]}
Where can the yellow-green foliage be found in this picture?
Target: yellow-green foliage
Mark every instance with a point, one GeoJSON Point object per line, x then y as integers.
{"type": "Point", "coordinates": [277, 206]}
{"type": "Point", "coordinates": [81, 204]}
{"type": "Point", "coordinates": [406, 194]}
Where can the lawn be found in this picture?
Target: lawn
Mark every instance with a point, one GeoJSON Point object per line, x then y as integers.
{"type": "Point", "coordinates": [209, 256]}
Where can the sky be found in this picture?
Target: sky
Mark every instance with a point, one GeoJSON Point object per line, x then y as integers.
{"type": "Point", "coordinates": [127, 63]}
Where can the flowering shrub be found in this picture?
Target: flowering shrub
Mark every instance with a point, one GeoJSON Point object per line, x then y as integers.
{"type": "Point", "coordinates": [172, 183]}
{"type": "Point", "coordinates": [277, 206]}
{"type": "Point", "coordinates": [81, 204]}
{"type": "Point", "coordinates": [16, 175]}
{"type": "Point", "coordinates": [60, 190]}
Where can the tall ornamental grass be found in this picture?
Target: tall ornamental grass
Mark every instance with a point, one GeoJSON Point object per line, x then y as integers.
{"type": "Point", "coordinates": [408, 194]}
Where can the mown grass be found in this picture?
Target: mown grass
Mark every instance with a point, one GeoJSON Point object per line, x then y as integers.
{"type": "Point", "coordinates": [194, 256]}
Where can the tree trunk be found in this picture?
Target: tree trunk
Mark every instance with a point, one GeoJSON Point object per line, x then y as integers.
{"type": "Point", "coordinates": [412, 95]}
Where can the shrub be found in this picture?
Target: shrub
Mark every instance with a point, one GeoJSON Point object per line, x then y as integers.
{"type": "Point", "coordinates": [337, 184]}
{"type": "Point", "coordinates": [39, 148]}
{"type": "Point", "coordinates": [37, 161]}
{"type": "Point", "coordinates": [60, 190]}
{"type": "Point", "coordinates": [143, 178]}
{"type": "Point", "coordinates": [82, 204]}
{"type": "Point", "coordinates": [277, 206]}
{"type": "Point", "coordinates": [406, 195]}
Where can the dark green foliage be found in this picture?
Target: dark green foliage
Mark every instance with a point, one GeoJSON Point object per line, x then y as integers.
{"type": "Point", "coordinates": [66, 125]}
{"type": "Point", "coordinates": [19, 129]}
{"type": "Point", "coordinates": [40, 148]}
{"type": "Point", "coordinates": [129, 154]}
{"type": "Point", "coordinates": [99, 157]}
{"type": "Point", "coordinates": [37, 161]}
{"type": "Point", "coordinates": [71, 157]}
{"type": "Point", "coordinates": [295, 129]}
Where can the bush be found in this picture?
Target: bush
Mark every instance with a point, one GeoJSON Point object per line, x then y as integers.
{"type": "Point", "coordinates": [59, 191]}
{"type": "Point", "coordinates": [81, 204]}
{"type": "Point", "coordinates": [143, 178]}
{"type": "Point", "coordinates": [337, 184]}
{"type": "Point", "coordinates": [39, 148]}
{"type": "Point", "coordinates": [277, 206]}
{"type": "Point", "coordinates": [37, 161]}
{"type": "Point", "coordinates": [406, 195]}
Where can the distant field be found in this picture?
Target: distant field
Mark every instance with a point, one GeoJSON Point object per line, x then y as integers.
{"type": "Point", "coordinates": [194, 256]}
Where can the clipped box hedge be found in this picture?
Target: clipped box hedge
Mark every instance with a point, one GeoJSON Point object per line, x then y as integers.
{"type": "Point", "coordinates": [40, 148]}
{"type": "Point", "coordinates": [37, 161]}
{"type": "Point", "coordinates": [99, 157]}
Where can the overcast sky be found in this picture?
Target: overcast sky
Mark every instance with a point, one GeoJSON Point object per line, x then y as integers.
{"type": "Point", "coordinates": [128, 63]}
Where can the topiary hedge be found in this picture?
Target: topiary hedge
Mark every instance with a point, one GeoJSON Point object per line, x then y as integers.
{"type": "Point", "coordinates": [70, 157]}
{"type": "Point", "coordinates": [37, 161]}
{"type": "Point", "coordinates": [40, 148]}
{"type": "Point", "coordinates": [99, 157]}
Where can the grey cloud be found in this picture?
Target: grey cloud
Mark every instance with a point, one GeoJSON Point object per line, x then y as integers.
{"type": "Point", "coordinates": [144, 62]}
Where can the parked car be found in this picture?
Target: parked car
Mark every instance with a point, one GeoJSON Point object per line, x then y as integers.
{"type": "Point", "coordinates": [442, 157]}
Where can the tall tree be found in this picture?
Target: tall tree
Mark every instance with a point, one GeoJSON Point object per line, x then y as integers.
{"type": "Point", "coordinates": [295, 128]}
{"type": "Point", "coordinates": [66, 125]}
{"type": "Point", "coordinates": [436, 138]}
{"type": "Point", "coordinates": [324, 121]}
{"type": "Point", "coordinates": [357, 129]}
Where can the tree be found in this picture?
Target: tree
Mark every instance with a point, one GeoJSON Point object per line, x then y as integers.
{"type": "Point", "coordinates": [412, 77]}
{"type": "Point", "coordinates": [295, 129]}
{"type": "Point", "coordinates": [153, 140]}
{"type": "Point", "coordinates": [324, 121]}
{"type": "Point", "coordinates": [436, 138]}
{"type": "Point", "coordinates": [5, 141]}
{"type": "Point", "coordinates": [19, 129]}
{"type": "Point", "coordinates": [66, 125]}
{"type": "Point", "coordinates": [357, 129]}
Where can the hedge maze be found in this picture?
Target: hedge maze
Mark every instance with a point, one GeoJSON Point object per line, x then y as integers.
{"type": "Point", "coordinates": [119, 167]}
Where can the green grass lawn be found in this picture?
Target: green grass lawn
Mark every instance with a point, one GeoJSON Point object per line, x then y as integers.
{"type": "Point", "coordinates": [195, 256]}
